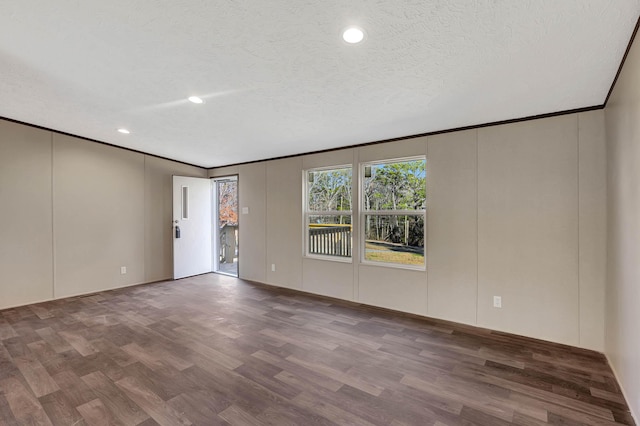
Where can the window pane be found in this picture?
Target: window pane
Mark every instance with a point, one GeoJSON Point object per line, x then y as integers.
{"type": "Point", "coordinates": [395, 186]}
{"type": "Point", "coordinates": [185, 202]}
{"type": "Point", "coordinates": [395, 239]}
{"type": "Point", "coordinates": [330, 235]}
{"type": "Point", "coordinates": [329, 190]}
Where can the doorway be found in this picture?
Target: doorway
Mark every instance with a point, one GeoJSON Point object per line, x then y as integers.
{"type": "Point", "coordinates": [225, 229]}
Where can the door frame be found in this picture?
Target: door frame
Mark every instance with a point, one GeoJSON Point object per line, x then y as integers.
{"type": "Point", "coordinates": [215, 261]}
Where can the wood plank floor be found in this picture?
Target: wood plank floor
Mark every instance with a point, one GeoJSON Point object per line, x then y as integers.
{"type": "Point", "coordinates": [215, 350]}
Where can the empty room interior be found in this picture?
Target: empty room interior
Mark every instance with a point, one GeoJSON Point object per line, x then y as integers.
{"type": "Point", "coordinates": [334, 213]}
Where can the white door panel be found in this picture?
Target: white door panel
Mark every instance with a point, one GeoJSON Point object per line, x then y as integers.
{"type": "Point", "coordinates": [191, 226]}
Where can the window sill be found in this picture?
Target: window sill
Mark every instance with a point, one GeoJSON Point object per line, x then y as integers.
{"type": "Point", "coordinates": [329, 258]}
{"type": "Point", "coordinates": [417, 268]}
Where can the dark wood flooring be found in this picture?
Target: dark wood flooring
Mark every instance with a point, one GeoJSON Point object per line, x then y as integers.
{"type": "Point", "coordinates": [216, 350]}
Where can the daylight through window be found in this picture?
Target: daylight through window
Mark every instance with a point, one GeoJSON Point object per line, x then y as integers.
{"type": "Point", "coordinates": [393, 211]}
{"type": "Point", "coordinates": [328, 212]}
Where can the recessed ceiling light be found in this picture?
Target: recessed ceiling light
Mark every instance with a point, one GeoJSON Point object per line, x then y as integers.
{"type": "Point", "coordinates": [125, 131]}
{"type": "Point", "coordinates": [196, 100]}
{"type": "Point", "coordinates": [353, 35]}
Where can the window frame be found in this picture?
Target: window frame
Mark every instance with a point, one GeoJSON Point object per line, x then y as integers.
{"type": "Point", "coordinates": [307, 213]}
{"type": "Point", "coordinates": [363, 213]}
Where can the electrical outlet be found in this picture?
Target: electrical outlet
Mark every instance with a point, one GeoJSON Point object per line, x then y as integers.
{"type": "Point", "coordinates": [497, 301]}
{"type": "Point", "coordinates": [123, 270]}
{"type": "Point", "coordinates": [273, 267]}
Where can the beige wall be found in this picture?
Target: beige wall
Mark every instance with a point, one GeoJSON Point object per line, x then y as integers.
{"type": "Point", "coordinates": [452, 252]}
{"type": "Point", "coordinates": [78, 211]}
{"type": "Point", "coordinates": [26, 253]}
{"type": "Point", "coordinates": [623, 229]}
{"type": "Point", "coordinates": [513, 210]}
{"type": "Point", "coordinates": [98, 216]}
{"type": "Point", "coordinates": [224, 171]}
{"type": "Point", "coordinates": [284, 220]}
{"type": "Point", "coordinates": [252, 222]}
{"type": "Point", "coordinates": [593, 227]}
{"type": "Point", "coordinates": [528, 228]}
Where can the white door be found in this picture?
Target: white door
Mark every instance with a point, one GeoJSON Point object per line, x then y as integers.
{"type": "Point", "coordinates": [191, 226]}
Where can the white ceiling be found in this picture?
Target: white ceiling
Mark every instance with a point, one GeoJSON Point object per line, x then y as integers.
{"type": "Point", "coordinates": [278, 79]}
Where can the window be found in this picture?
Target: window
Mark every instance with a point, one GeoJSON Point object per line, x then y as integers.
{"type": "Point", "coordinates": [185, 202]}
{"type": "Point", "coordinates": [393, 212]}
{"type": "Point", "coordinates": [328, 212]}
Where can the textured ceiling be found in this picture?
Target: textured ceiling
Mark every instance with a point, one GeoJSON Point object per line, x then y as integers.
{"type": "Point", "coordinates": [278, 79]}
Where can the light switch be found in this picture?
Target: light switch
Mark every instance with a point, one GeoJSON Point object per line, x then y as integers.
{"type": "Point", "coordinates": [245, 210]}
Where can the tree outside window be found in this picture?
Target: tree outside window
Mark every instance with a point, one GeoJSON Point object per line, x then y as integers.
{"type": "Point", "coordinates": [328, 212]}
{"type": "Point", "coordinates": [393, 211]}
